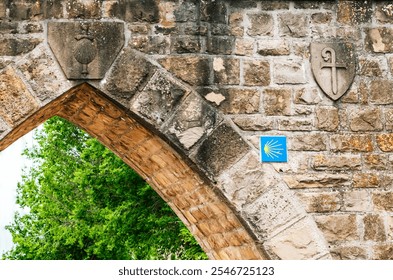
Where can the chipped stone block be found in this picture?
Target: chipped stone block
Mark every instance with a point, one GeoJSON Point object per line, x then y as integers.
{"type": "Point", "coordinates": [354, 12]}
{"type": "Point", "coordinates": [256, 73]}
{"type": "Point", "coordinates": [294, 25]}
{"type": "Point", "coordinates": [253, 122]}
{"type": "Point", "coordinates": [240, 101]}
{"type": "Point", "coordinates": [300, 241]}
{"type": "Point", "coordinates": [338, 228]}
{"type": "Point", "coordinates": [327, 118]}
{"type": "Point", "coordinates": [226, 71]}
{"type": "Point", "coordinates": [277, 102]}
{"type": "Point", "coordinates": [368, 119]}
{"type": "Point", "coordinates": [159, 99]}
{"type": "Point", "coordinates": [17, 46]}
{"type": "Point", "coordinates": [289, 72]}
{"type": "Point", "coordinates": [376, 161]}
{"type": "Point", "coordinates": [260, 24]}
{"type": "Point", "coordinates": [380, 92]}
{"type": "Point", "coordinates": [272, 211]}
{"type": "Point", "coordinates": [385, 142]}
{"type": "Point", "coordinates": [379, 40]}
{"type": "Point", "coordinates": [307, 96]}
{"type": "Point", "coordinates": [351, 143]}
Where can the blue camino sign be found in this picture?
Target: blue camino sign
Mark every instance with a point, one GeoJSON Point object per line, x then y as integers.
{"type": "Point", "coordinates": [273, 149]}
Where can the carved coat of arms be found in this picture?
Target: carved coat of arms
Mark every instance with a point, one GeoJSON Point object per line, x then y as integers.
{"type": "Point", "coordinates": [333, 66]}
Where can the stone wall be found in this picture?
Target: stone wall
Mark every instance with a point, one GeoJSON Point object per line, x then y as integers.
{"type": "Point", "coordinates": [210, 77]}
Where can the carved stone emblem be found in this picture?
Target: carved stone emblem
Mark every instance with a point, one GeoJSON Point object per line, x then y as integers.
{"type": "Point", "coordinates": [85, 50]}
{"type": "Point", "coordinates": [333, 66]}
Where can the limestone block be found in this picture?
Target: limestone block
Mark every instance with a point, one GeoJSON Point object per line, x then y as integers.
{"type": "Point", "coordinates": [191, 69]}
{"type": "Point", "coordinates": [308, 142]}
{"type": "Point", "coordinates": [193, 119]}
{"type": "Point", "coordinates": [296, 124]}
{"type": "Point", "coordinates": [383, 252]}
{"type": "Point", "coordinates": [327, 118]}
{"type": "Point", "coordinates": [338, 228]}
{"type": "Point", "coordinates": [274, 5]}
{"type": "Point", "coordinates": [384, 12]}
{"type": "Point", "coordinates": [150, 44]}
{"type": "Point", "coordinates": [2, 10]}
{"type": "Point", "coordinates": [321, 18]}
{"type": "Point", "coordinates": [321, 202]}
{"type": "Point", "coordinates": [272, 211]}
{"type": "Point", "coordinates": [16, 102]}
{"type": "Point", "coordinates": [277, 102]}
{"type": "Point", "coordinates": [376, 161]}
{"type": "Point", "coordinates": [260, 24]}
{"type": "Point", "coordinates": [220, 45]}
{"type": "Point", "coordinates": [256, 73]}
{"type": "Point", "coordinates": [374, 228]}
{"type": "Point", "coordinates": [8, 27]}
{"type": "Point", "coordinates": [236, 24]}
{"type": "Point", "coordinates": [244, 46]}
{"type": "Point", "coordinates": [289, 72]}
{"type": "Point", "coordinates": [389, 227]}
{"type": "Point", "coordinates": [240, 101]}
{"type": "Point", "coordinates": [357, 201]}
{"type": "Point", "coordinates": [44, 76]}
{"type": "Point", "coordinates": [159, 99]}
{"type": "Point", "coordinates": [213, 11]}
{"type": "Point", "coordinates": [307, 96]}
{"type": "Point", "coordinates": [349, 253]}
{"type": "Point", "coordinates": [247, 180]}
{"type": "Point", "coordinates": [388, 119]}
{"type": "Point", "coordinates": [213, 157]}
{"type": "Point", "coordinates": [293, 25]}
{"type": "Point", "coordinates": [83, 8]}
{"type": "Point", "coordinates": [273, 47]}
{"type": "Point", "coordinates": [317, 180]}
{"type": "Point", "coordinates": [186, 12]}
{"type": "Point", "coordinates": [226, 71]}
{"type": "Point", "coordinates": [368, 119]}
{"type": "Point", "coordinates": [129, 74]}
{"type": "Point", "coordinates": [354, 12]}
{"type": "Point", "coordinates": [300, 241]}
{"type": "Point", "coordinates": [253, 122]}
{"type": "Point", "coordinates": [186, 44]}
{"type": "Point", "coordinates": [380, 92]}
{"type": "Point", "coordinates": [336, 162]}
{"type": "Point", "coordinates": [383, 201]}
{"type": "Point", "coordinates": [351, 143]}
{"type": "Point", "coordinates": [366, 180]}
{"type": "Point", "coordinates": [379, 40]}
{"type": "Point", "coordinates": [17, 46]}
{"type": "Point", "coordinates": [370, 67]}
{"type": "Point", "coordinates": [385, 142]}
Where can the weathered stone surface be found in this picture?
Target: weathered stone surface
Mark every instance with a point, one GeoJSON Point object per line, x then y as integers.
{"type": "Point", "coordinates": [383, 201]}
{"type": "Point", "coordinates": [3, 126]}
{"type": "Point", "coordinates": [338, 228]}
{"type": "Point", "coordinates": [85, 50]}
{"type": "Point", "coordinates": [240, 101]}
{"type": "Point", "coordinates": [40, 70]}
{"type": "Point", "coordinates": [236, 24]}
{"type": "Point", "coordinates": [151, 44]}
{"type": "Point", "coordinates": [289, 72]}
{"type": "Point", "coordinates": [130, 73]}
{"type": "Point", "coordinates": [384, 12]}
{"type": "Point", "coordinates": [379, 40]}
{"type": "Point", "coordinates": [220, 45]}
{"type": "Point", "coordinates": [368, 119]}
{"type": "Point", "coordinates": [370, 68]}
{"type": "Point", "coordinates": [277, 102]}
{"type": "Point", "coordinates": [8, 27]}
{"type": "Point", "coordinates": [307, 96]}
{"type": "Point", "coordinates": [380, 92]}
{"type": "Point", "coordinates": [16, 102]}
{"type": "Point", "coordinates": [253, 122]}
{"type": "Point", "coordinates": [17, 46]}
{"type": "Point", "coordinates": [376, 161]}
{"type": "Point", "coordinates": [321, 202]}
{"type": "Point", "coordinates": [274, 5]}
{"type": "Point", "coordinates": [388, 119]}
{"type": "Point", "coordinates": [327, 118]}
{"type": "Point", "coordinates": [248, 180]}
{"type": "Point", "coordinates": [293, 124]}
{"type": "Point", "coordinates": [159, 98]}
{"type": "Point", "coordinates": [321, 18]}
{"type": "Point", "coordinates": [293, 25]}
{"type": "Point", "coordinates": [83, 9]}
{"type": "Point", "coordinates": [213, 11]}
{"type": "Point", "coordinates": [349, 253]}
{"type": "Point", "coordinates": [193, 119]}
{"type": "Point", "coordinates": [374, 228]}
{"type": "Point", "coordinates": [191, 69]}
{"type": "Point", "coordinates": [383, 252]}
{"type": "Point", "coordinates": [354, 12]}
{"type": "Point", "coordinates": [385, 142]}
{"type": "Point", "coordinates": [256, 73]}
{"type": "Point", "coordinates": [226, 71]}
{"type": "Point", "coordinates": [303, 181]}
{"type": "Point", "coordinates": [308, 142]}
{"type": "Point", "coordinates": [296, 242]}
{"type": "Point", "coordinates": [273, 47]}
{"type": "Point", "coordinates": [186, 11]}
{"type": "Point", "coordinates": [271, 211]}
{"type": "Point", "coordinates": [351, 143]}
{"type": "Point", "coordinates": [213, 158]}
{"type": "Point", "coordinates": [244, 46]}
{"type": "Point", "coordinates": [261, 24]}
{"type": "Point", "coordinates": [336, 162]}
{"type": "Point", "coordinates": [366, 180]}
{"type": "Point", "coordinates": [357, 201]}
{"type": "Point", "coordinates": [2, 10]}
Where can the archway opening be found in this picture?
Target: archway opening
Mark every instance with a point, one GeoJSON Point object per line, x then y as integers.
{"type": "Point", "coordinates": [206, 214]}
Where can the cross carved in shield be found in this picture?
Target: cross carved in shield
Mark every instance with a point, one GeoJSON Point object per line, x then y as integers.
{"type": "Point", "coordinates": [333, 66]}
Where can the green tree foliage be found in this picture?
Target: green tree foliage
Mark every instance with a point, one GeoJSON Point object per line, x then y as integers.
{"type": "Point", "coordinates": [85, 203]}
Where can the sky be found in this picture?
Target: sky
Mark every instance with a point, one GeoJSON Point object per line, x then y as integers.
{"type": "Point", "coordinates": [11, 165]}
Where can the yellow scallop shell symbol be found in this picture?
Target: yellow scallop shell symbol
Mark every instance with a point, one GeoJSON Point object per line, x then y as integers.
{"type": "Point", "coordinates": [273, 149]}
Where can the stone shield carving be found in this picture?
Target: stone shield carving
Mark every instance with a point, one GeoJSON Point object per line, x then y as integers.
{"type": "Point", "coordinates": [85, 49]}
{"type": "Point", "coordinates": [334, 67]}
